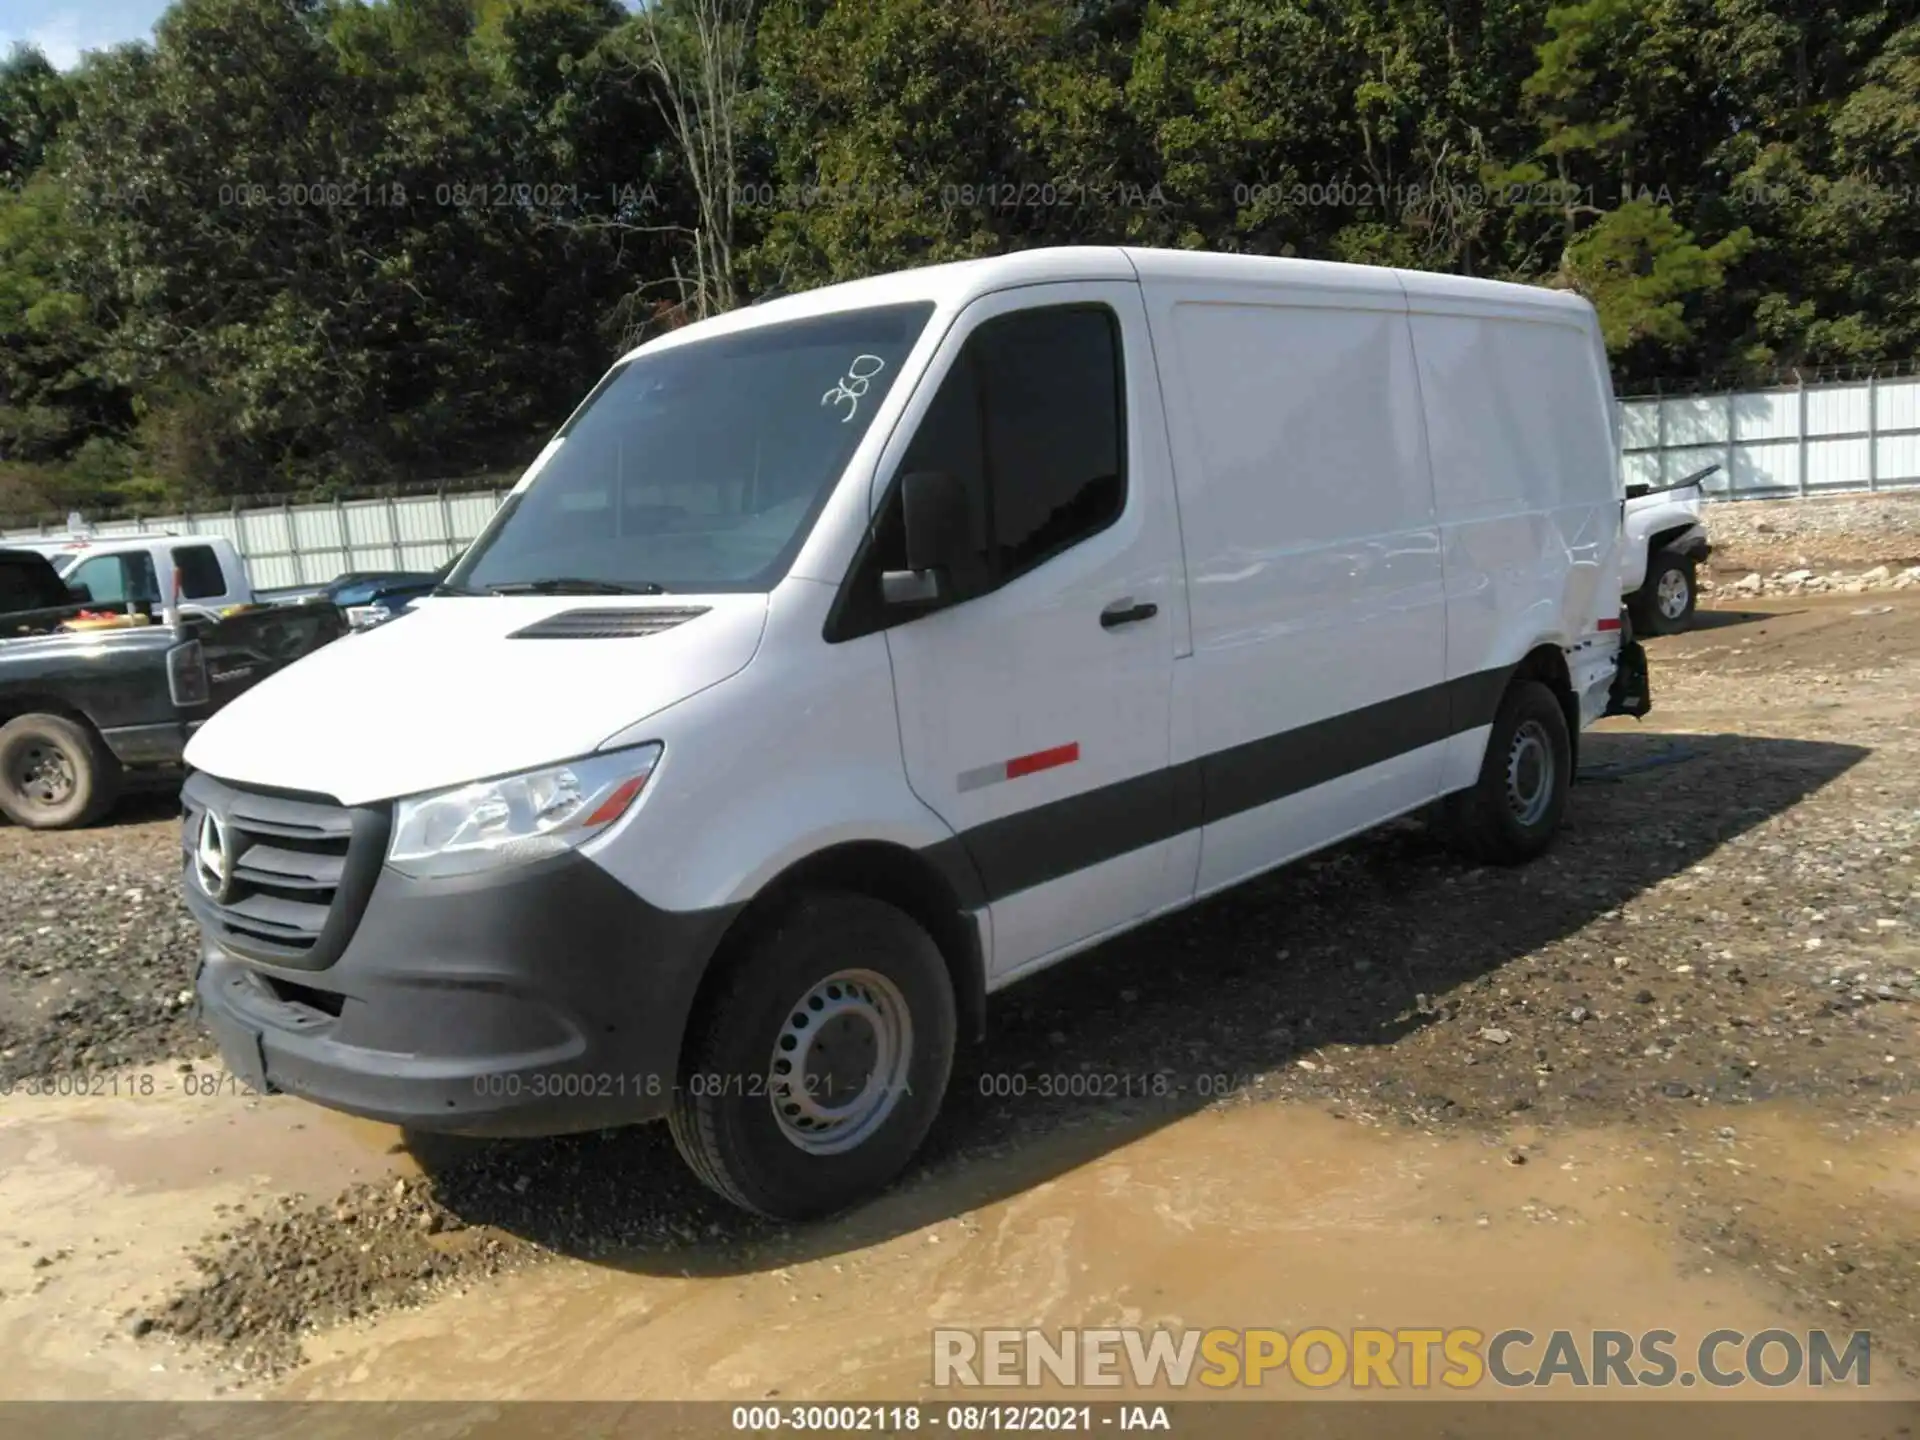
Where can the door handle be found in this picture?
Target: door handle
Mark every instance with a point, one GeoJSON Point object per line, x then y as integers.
{"type": "Point", "coordinates": [1125, 612]}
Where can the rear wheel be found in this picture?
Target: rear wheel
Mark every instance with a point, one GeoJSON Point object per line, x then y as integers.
{"type": "Point", "coordinates": [54, 773]}
{"type": "Point", "coordinates": [816, 1067]}
{"type": "Point", "coordinates": [1664, 604]}
{"type": "Point", "coordinates": [1512, 811]}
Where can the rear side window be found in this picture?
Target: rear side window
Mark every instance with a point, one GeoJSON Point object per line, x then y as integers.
{"type": "Point", "coordinates": [1030, 416]}
{"type": "Point", "coordinates": [200, 576]}
{"type": "Point", "coordinates": [29, 585]}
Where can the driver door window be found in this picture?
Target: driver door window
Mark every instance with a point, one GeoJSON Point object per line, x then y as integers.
{"type": "Point", "coordinates": [1031, 417]}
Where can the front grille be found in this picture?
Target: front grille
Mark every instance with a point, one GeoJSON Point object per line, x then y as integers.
{"type": "Point", "coordinates": [279, 877]}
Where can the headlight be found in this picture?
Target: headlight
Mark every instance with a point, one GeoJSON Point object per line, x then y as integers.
{"type": "Point", "coordinates": [518, 818]}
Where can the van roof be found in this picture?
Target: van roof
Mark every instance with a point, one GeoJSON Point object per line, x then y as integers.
{"type": "Point", "coordinates": [954, 284]}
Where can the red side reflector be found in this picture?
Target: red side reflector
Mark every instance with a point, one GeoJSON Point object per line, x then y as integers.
{"type": "Point", "coordinates": [1043, 760]}
{"type": "Point", "coordinates": [1613, 624]}
{"type": "Point", "coordinates": [615, 805]}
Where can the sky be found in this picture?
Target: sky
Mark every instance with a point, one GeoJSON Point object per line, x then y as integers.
{"type": "Point", "coordinates": [63, 28]}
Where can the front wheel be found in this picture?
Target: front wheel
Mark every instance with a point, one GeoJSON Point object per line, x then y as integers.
{"type": "Point", "coordinates": [816, 1067]}
{"type": "Point", "coordinates": [1664, 604]}
{"type": "Point", "coordinates": [1512, 811]}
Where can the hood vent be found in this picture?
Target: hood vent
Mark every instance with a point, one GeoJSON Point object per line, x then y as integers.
{"type": "Point", "coordinates": [608, 624]}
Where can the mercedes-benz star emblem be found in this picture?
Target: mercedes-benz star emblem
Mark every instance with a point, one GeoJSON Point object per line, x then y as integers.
{"type": "Point", "coordinates": [212, 864]}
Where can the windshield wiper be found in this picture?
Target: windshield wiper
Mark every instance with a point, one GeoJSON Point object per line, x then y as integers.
{"type": "Point", "coordinates": [569, 585]}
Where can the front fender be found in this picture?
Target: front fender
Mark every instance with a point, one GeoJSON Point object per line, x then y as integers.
{"type": "Point", "coordinates": [797, 753]}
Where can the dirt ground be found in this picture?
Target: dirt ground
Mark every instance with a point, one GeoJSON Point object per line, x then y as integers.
{"type": "Point", "coordinates": [1662, 1077]}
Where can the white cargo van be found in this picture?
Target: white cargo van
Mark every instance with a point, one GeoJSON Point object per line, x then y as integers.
{"type": "Point", "coordinates": [846, 658]}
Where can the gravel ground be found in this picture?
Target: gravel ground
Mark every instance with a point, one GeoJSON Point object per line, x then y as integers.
{"type": "Point", "coordinates": [1732, 916]}
{"type": "Point", "coordinates": [96, 950]}
{"type": "Point", "coordinates": [1854, 532]}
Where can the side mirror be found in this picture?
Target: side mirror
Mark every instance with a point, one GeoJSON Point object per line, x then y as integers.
{"type": "Point", "coordinates": [79, 594]}
{"type": "Point", "coordinates": [938, 519]}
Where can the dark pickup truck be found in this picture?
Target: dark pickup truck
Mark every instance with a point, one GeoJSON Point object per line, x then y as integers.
{"type": "Point", "coordinates": [88, 713]}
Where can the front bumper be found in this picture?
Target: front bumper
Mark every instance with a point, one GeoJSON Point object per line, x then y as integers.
{"type": "Point", "coordinates": [534, 1001]}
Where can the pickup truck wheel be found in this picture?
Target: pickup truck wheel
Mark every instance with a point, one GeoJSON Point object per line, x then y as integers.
{"type": "Point", "coordinates": [54, 773]}
{"type": "Point", "coordinates": [815, 1069]}
{"type": "Point", "coordinates": [1664, 604]}
{"type": "Point", "coordinates": [1511, 813]}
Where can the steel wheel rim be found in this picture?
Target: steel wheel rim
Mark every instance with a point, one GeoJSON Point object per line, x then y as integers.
{"type": "Point", "coordinates": [45, 775]}
{"type": "Point", "coordinates": [1672, 594]}
{"type": "Point", "coordinates": [1530, 773]}
{"type": "Point", "coordinates": [854, 1023]}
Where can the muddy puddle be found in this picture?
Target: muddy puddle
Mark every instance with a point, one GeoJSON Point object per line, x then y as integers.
{"type": "Point", "coordinates": [1255, 1216]}
{"type": "Point", "coordinates": [102, 1195]}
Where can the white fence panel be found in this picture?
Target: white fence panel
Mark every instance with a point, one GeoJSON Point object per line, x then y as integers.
{"type": "Point", "coordinates": [1789, 440]}
{"type": "Point", "coordinates": [286, 544]}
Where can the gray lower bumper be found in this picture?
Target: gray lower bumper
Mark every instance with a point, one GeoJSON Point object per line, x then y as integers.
{"type": "Point", "coordinates": [536, 1001]}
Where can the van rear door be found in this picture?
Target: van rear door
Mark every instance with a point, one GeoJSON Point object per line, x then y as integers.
{"type": "Point", "coordinates": [1034, 702]}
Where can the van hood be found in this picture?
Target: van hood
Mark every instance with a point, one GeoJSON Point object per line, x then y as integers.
{"type": "Point", "coordinates": [457, 690]}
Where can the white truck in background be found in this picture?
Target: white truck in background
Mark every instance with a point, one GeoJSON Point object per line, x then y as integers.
{"type": "Point", "coordinates": [122, 570]}
{"type": "Point", "coordinates": [1663, 545]}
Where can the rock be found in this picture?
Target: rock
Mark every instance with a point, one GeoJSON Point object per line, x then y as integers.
{"type": "Point", "coordinates": [1579, 1014]}
{"type": "Point", "coordinates": [1796, 577]}
{"type": "Point", "coordinates": [1493, 1035]}
{"type": "Point", "coordinates": [1748, 584]}
{"type": "Point", "coordinates": [1878, 574]}
{"type": "Point", "coordinates": [139, 1325]}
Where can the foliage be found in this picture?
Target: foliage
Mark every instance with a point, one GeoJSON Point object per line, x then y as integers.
{"type": "Point", "coordinates": [300, 243]}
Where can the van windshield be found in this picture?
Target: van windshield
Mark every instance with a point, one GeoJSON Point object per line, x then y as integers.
{"type": "Point", "coordinates": [700, 466]}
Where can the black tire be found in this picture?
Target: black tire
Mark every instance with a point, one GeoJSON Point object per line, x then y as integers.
{"type": "Point", "coordinates": [55, 773]}
{"type": "Point", "coordinates": [1675, 571]}
{"type": "Point", "coordinates": [723, 1117]}
{"type": "Point", "coordinates": [1499, 827]}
